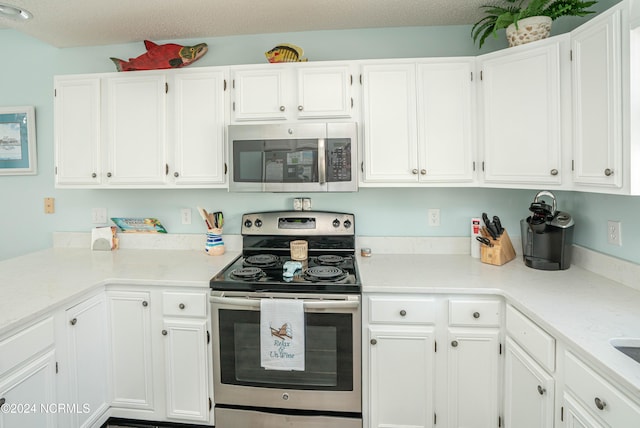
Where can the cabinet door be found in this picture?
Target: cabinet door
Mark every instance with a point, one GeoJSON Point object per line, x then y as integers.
{"type": "Point", "coordinates": [446, 125]}
{"type": "Point", "coordinates": [401, 377]}
{"type": "Point", "coordinates": [576, 416]}
{"type": "Point", "coordinates": [473, 361]}
{"type": "Point", "coordinates": [28, 395]}
{"type": "Point", "coordinates": [324, 92]}
{"type": "Point", "coordinates": [597, 101]}
{"type": "Point", "coordinates": [521, 106]}
{"type": "Point", "coordinates": [136, 129]}
{"type": "Point", "coordinates": [259, 94]}
{"type": "Point", "coordinates": [185, 345]}
{"type": "Point", "coordinates": [87, 375]}
{"type": "Point", "coordinates": [198, 128]}
{"type": "Point", "coordinates": [131, 360]}
{"type": "Point", "coordinates": [390, 132]}
{"type": "Point", "coordinates": [77, 131]}
{"type": "Point", "coordinates": [529, 391]}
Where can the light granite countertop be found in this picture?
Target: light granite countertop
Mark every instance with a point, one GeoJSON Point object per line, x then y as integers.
{"type": "Point", "coordinates": [578, 307]}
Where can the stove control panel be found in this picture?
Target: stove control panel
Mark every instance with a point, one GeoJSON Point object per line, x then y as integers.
{"type": "Point", "coordinates": [312, 223]}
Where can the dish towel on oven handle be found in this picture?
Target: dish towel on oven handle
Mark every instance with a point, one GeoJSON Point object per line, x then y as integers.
{"type": "Point", "coordinates": [282, 334]}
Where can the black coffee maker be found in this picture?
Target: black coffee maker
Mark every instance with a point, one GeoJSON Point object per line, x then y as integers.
{"type": "Point", "coordinates": [547, 235]}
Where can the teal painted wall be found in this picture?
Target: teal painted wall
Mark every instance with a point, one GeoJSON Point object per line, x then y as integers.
{"type": "Point", "coordinates": [28, 80]}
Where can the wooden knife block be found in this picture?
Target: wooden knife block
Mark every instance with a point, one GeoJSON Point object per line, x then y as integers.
{"type": "Point", "coordinates": [501, 252]}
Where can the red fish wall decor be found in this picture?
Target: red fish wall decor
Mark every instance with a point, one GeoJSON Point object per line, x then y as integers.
{"type": "Point", "coordinates": [157, 57]}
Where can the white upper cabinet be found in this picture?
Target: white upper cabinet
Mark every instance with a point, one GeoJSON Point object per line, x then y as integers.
{"type": "Point", "coordinates": [418, 121]}
{"type": "Point", "coordinates": [521, 105]}
{"type": "Point", "coordinates": [135, 129]}
{"type": "Point", "coordinates": [154, 129]}
{"type": "Point", "coordinates": [597, 101]}
{"type": "Point", "coordinates": [291, 91]}
{"type": "Point", "coordinates": [446, 120]}
{"type": "Point", "coordinates": [197, 119]}
{"type": "Point", "coordinates": [77, 131]}
{"type": "Point", "coordinates": [389, 116]}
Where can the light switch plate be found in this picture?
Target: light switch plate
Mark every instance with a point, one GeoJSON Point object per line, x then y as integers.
{"type": "Point", "coordinates": [49, 205]}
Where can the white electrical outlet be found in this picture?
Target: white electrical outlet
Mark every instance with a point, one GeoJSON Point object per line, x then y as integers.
{"type": "Point", "coordinates": [433, 215]}
{"type": "Point", "coordinates": [99, 215]}
{"type": "Point", "coordinates": [185, 215]}
{"type": "Point", "coordinates": [614, 233]}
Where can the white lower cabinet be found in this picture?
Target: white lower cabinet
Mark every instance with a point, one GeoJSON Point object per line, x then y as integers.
{"type": "Point", "coordinates": [598, 402]}
{"type": "Point", "coordinates": [131, 358]}
{"type": "Point", "coordinates": [160, 354]}
{"type": "Point", "coordinates": [473, 352]}
{"type": "Point", "coordinates": [432, 361]}
{"type": "Point", "coordinates": [185, 340]}
{"type": "Point", "coordinates": [28, 377]}
{"type": "Point", "coordinates": [86, 371]}
{"type": "Point", "coordinates": [401, 373]}
{"type": "Point", "coordinates": [529, 391]}
{"type": "Point", "coordinates": [28, 396]}
{"type": "Point", "coordinates": [576, 416]}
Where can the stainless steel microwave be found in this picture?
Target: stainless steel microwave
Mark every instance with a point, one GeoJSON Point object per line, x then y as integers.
{"type": "Point", "coordinates": [309, 157]}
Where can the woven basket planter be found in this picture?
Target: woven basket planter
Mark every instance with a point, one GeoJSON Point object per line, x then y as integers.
{"type": "Point", "coordinates": [529, 30]}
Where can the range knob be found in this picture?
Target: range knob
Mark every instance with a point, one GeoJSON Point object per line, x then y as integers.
{"type": "Point", "coordinates": [347, 224]}
{"type": "Point", "coordinates": [258, 222]}
{"type": "Point", "coordinates": [336, 223]}
{"type": "Point", "coordinates": [247, 223]}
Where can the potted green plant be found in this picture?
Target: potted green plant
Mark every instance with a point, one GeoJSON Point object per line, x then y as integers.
{"type": "Point", "coordinates": [525, 20]}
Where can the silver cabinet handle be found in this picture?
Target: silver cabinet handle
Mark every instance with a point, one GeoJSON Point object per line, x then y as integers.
{"type": "Point", "coordinates": [608, 172]}
{"type": "Point", "coordinates": [403, 313]}
{"type": "Point", "coordinates": [94, 175]}
{"type": "Point", "coordinates": [108, 174]}
{"type": "Point", "coordinates": [541, 390]}
{"type": "Point", "coordinates": [600, 404]}
{"type": "Point", "coordinates": [300, 108]}
{"type": "Point", "coordinates": [165, 332]}
{"type": "Point", "coordinates": [181, 306]}
{"type": "Point", "coordinates": [145, 303]}
{"type": "Point", "coordinates": [476, 315]}
{"type": "Point", "coordinates": [454, 343]}
{"type": "Point", "coordinates": [554, 172]}
{"type": "Point", "coordinates": [73, 321]}
{"type": "Point", "coordinates": [282, 108]}
{"type": "Point", "coordinates": [373, 341]}
{"type": "Point", "coordinates": [423, 171]}
{"type": "Point", "coordinates": [414, 171]}
{"type": "Point", "coordinates": [176, 174]}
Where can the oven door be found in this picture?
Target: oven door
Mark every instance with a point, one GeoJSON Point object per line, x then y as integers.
{"type": "Point", "coordinates": [331, 380]}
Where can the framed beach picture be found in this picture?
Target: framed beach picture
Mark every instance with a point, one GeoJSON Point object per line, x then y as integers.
{"type": "Point", "coordinates": [17, 141]}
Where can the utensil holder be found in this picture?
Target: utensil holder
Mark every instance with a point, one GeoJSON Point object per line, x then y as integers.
{"type": "Point", "coordinates": [501, 252]}
{"type": "Point", "coordinates": [215, 244]}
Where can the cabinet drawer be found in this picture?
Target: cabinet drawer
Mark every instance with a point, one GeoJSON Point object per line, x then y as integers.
{"type": "Point", "coordinates": [464, 313]}
{"type": "Point", "coordinates": [598, 395]}
{"type": "Point", "coordinates": [538, 343]}
{"type": "Point", "coordinates": [184, 304]}
{"type": "Point", "coordinates": [402, 310]}
{"type": "Point", "coordinates": [23, 345]}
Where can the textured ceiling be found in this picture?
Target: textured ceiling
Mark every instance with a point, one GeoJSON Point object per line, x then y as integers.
{"type": "Point", "coordinates": [72, 23]}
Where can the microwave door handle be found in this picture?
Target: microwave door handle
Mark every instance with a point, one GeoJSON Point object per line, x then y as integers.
{"type": "Point", "coordinates": [322, 162]}
{"type": "Point", "coordinates": [317, 304]}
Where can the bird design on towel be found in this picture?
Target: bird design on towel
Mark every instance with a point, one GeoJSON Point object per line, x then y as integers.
{"type": "Point", "coordinates": [282, 332]}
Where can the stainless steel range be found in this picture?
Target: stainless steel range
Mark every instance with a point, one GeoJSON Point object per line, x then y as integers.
{"type": "Point", "coordinates": [326, 390]}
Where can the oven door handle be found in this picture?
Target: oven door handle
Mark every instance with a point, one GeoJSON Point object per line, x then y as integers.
{"type": "Point", "coordinates": [308, 304]}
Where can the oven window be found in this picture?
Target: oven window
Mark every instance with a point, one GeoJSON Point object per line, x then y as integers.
{"type": "Point", "coordinates": [328, 353]}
